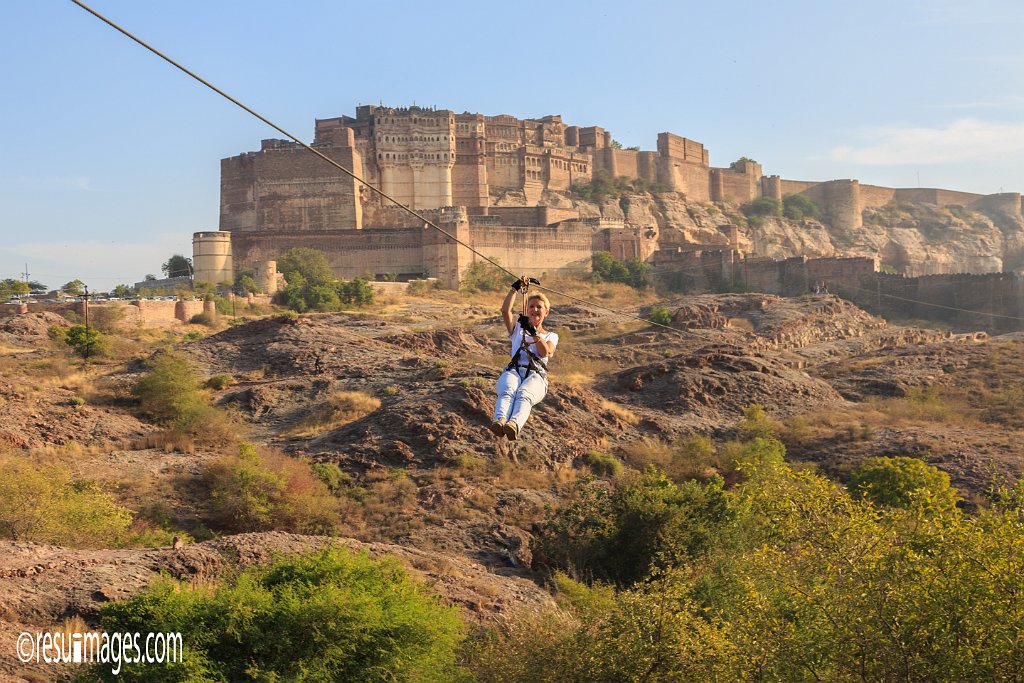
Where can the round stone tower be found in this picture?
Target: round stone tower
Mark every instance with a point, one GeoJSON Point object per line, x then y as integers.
{"type": "Point", "coordinates": [211, 257]}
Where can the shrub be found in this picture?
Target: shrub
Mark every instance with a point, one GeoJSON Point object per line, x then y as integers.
{"type": "Point", "coordinates": [87, 341]}
{"type": "Point", "coordinates": [169, 394]}
{"type": "Point", "coordinates": [606, 268]}
{"type": "Point", "coordinates": [660, 316]}
{"type": "Point", "coordinates": [203, 318]}
{"type": "Point", "coordinates": [902, 481]}
{"type": "Point", "coordinates": [106, 318]}
{"type": "Point", "coordinates": [220, 382]}
{"type": "Point", "coordinates": [482, 276]}
{"type": "Point", "coordinates": [797, 206]}
{"type": "Point", "coordinates": [46, 504]}
{"type": "Point", "coordinates": [603, 464]}
{"type": "Point", "coordinates": [642, 522]}
{"type": "Point", "coordinates": [756, 423]}
{"type": "Point", "coordinates": [420, 287]}
{"type": "Point", "coordinates": [257, 491]}
{"type": "Point", "coordinates": [330, 616]}
{"type": "Point", "coordinates": [763, 206]}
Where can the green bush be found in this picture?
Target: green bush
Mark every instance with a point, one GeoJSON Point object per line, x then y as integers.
{"type": "Point", "coordinates": [606, 268]}
{"type": "Point", "coordinates": [901, 482]}
{"type": "Point", "coordinates": [87, 342]}
{"type": "Point", "coordinates": [203, 318]}
{"type": "Point", "coordinates": [258, 491]}
{"type": "Point", "coordinates": [47, 504]}
{"type": "Point", "coordinates": [756, 424]}
{"type": "Point", "coordinates": [170, 394]}
{"type": "Point", "coordinates": [482, 276]}
{"type": "Point", "coordinates": [660, 316]}
{"type": "Point", "coordinates": [330, 616]}
{"type": "Point", "coordinates": [807, 583]}
{"type": "Point", "coordinates": [220, 382]}
{"type": "Point", "coordinates": [642, 522]}
{"type": "Point", "coordinates": [764, 206]}
{"type": "Point", "coordinates": [797, 206]}
{"type": "Point", "coordinates": [603, 464]}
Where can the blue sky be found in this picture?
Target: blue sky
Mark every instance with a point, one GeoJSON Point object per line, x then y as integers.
{"type": "Point", "coordinates": [111, 157]}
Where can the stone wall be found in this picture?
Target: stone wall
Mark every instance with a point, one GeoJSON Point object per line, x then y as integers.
{"type": "Point", "coordinates": [532, 215]}
{"type": "Point", "coordinates": [566, 246]}
{"type": "Point", "coordinates": [351, 253]}
{"type": "Point", "coordinates": [285, 187]}
{"type": "Point", "coordinates": [141, 313]}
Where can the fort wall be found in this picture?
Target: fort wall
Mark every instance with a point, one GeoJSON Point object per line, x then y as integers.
{"type": "Point", "coordinates": [532, 215]}
{"type": "Point", "coordinates": [284, 187]}
{"type": "Point", "coordinates": [1008, 203]}
{"type": "Point", "coordinates": [350, 253]}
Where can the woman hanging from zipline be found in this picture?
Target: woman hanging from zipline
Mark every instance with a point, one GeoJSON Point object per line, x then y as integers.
{"type": "Point", "coordinates": [524, 383]}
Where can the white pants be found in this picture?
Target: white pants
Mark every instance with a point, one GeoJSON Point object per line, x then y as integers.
{"type": "Point", "coordinates": [517, 396]}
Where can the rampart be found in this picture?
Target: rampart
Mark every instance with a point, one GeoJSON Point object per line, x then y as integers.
{"type": "Point", "coordinates": [993, 302]}
{"type": "Point", "coordinates": [136, 313]}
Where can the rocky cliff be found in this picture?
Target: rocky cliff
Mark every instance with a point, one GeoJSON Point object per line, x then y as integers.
{"type": "Point", "coordinates": [910, 238]}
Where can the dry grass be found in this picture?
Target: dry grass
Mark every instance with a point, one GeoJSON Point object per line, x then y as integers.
{"type": "Point", "coordinates": [6, 350]}
{"type": "Point", "coordinates": [341, 409]}
{"type": "Point", "coordinates": [573, 370]}
{"type": "Point", "coordinates": [693, 457]}
{"type": "Point", "coordinates": [621, 412]}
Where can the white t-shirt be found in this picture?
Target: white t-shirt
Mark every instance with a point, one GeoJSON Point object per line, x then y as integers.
{"type": "Point", "coordinates": [517, 340]}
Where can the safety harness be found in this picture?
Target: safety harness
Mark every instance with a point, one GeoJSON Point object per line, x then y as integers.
{"type": "Point", "coordinates": [533, 362]}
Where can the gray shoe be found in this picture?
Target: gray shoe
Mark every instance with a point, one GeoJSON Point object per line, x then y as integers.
{"type": "Point", "coordinates": [498, 427]}
{"type": "Point", "coordinates": [511, 431]}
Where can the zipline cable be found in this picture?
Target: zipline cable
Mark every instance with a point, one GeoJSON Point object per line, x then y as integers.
{"type": "Point", "coordinates": [347, 172]}
{"type": "Point", "coordinates": [417, 214]}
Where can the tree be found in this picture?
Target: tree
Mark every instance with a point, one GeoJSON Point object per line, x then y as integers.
{"type": "Point", "coordinates": [245, 281]}
{"type": "Point", "coordinates": [177, 266]}
{"type": "Point", "coordinates": [37, 287]}
{"type": "Point", "coordinates": [87, 341]}
{"type": "Point", "coordinates": [150, 277]}
{"type": "Point", "coordinates": [122, 291]}
{"type": "Point", "coordinates": [606, 268]}
{"type": "Point", "coordinates": [76, 287]}
{"type": "Point", "coordinates": [13, 288]}
{"type": "Point", "coordinates": [901, 481]}
{"type": "Point", "coordinates": [310, 264]}
{"type": "Point", "coordinates": [736, 165]}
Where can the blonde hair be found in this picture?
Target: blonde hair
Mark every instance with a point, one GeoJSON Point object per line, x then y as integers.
{"type": "Point", "coordinates": [544, 299]}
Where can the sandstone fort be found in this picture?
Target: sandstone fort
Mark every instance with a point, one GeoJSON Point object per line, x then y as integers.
{"type": "Point", "coordinates": [504, 185]}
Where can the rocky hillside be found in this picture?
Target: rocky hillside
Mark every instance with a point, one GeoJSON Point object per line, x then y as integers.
{"type": "Point", "coordinates": [907, 237]}
{"type": "Point", "coordinates": [426, 481]}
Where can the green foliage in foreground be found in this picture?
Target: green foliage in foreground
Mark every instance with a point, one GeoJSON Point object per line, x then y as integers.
{"type": "Point", "coordinates": [332, 616]}
{"type": "Point", "coordinates": [803, 583]}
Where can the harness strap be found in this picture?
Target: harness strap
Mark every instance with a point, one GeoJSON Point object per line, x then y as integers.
{"type": "Point", "coordinates": [533, 363]}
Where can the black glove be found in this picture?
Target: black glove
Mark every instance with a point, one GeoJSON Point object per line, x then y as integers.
{"type": "Point", "coordinates": [527, 326]}
{"type": "Point", "coordinates": [517, 285]}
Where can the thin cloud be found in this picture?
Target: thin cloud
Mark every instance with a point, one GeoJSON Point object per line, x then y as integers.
{"type": "Point", "coordinates": [966, 139]}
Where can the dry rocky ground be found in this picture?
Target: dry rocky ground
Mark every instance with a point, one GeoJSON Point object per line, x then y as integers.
{"type": "Point", "coordinates": [843, 385]}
